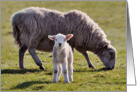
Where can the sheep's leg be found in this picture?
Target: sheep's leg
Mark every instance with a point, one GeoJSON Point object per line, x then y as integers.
{"type": "Point", "coordinates": [35, 58]}
{"type": "Point", "coordinates": [55, 72]}
{"type": "Point", "coordinates": [88, 60]}
{"type": "Point", "coordinates": [65, 71]}
{"type": "Point", "coordinates": [70, 70]}
{"type": "Point", "coordinates": [22, 51]}
{"type": "Point", "coordinates": [60, 71]}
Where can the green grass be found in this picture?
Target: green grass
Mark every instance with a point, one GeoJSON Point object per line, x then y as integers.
{"type": "Point", "coordinates": [111, 17]}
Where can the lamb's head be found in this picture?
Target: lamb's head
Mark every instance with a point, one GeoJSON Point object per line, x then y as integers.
{"type": "Point", "coordinates": [60, 39]}
{"type": "Point", "coordinates": [108, 56]}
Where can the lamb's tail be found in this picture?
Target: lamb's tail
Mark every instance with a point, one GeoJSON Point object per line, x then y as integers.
{"type": "Point", "coordinates": [16, 35]}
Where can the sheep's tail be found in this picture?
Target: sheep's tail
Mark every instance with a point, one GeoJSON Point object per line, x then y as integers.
{"type": "Point", "coordinates": [16, 35]}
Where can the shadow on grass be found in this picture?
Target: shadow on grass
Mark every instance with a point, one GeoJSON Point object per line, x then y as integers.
{"type": "Point", "coordinates": [114, 83]}
{"type": "Point", "coordinates": [21, 71]}
{"type": "Point", "coordinates": [103, 69]}
{"type": "Point", "coordinates": [27, 84]}
{"type": "Point", "coordinates": [93, 70]}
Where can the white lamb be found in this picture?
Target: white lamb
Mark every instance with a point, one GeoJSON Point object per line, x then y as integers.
{"type": "Point", "coordinates": [62, 56]}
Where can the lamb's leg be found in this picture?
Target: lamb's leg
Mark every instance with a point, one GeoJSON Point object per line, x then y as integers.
{"type": "Point", "coordinates": [72, 49]}
{"type": "Point", "coordinates": [70, 70]}
{"type": "Point", "coordinates": [65, 71]}
{"type": "Point", "coordinates": [73, 53]}
{"type": "Point", "coordinates": [88, 60]}
{"type": "Point", "coordinates": [22, 51]}
{"type": "Point", "coordinates": [59, 72]}
{"type": "Point", "coordinates": [55, 72]}
{"type": "Point", "coordinates": [35, 58]}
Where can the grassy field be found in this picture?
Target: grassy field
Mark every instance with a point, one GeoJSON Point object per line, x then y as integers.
{"type": "Point", "coordinates": [111, 17]}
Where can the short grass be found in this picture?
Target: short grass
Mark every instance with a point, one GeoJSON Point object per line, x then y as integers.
{"type": "Point", "coordinates": [111, 17]}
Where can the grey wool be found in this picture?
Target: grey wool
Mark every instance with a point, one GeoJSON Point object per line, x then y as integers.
{"type": "Point", "coordinates": [31, 27]}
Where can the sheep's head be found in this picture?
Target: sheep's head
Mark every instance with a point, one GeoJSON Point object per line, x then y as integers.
{"type": "Point", "coordinates": [60, 39]}
{"type": "Point", "coordinates": [108, 56]}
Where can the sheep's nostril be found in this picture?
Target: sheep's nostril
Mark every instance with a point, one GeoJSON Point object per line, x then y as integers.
{"type": "Point", "coordinates": [59, 44]}
{"type": "Point", "coordinates": [111, 52]}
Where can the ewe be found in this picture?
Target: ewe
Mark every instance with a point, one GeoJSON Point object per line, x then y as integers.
{"type": "Point", "coordinates": [62, 56]}
{"type": "Point", "coordinates": [31, 27]}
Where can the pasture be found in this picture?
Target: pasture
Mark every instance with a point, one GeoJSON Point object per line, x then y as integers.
{"type": "Point", "coordinates": [111, 17]}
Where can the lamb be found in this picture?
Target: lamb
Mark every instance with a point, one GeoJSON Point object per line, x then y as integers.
{"type": "Point", "coordinates": [31, 27]}
{"type": "Point", "coordinates": [62, 56]}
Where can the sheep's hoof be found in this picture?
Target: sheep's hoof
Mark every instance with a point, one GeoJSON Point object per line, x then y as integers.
{"type": "Point", "coordinates": [22, 68]}
{"type": "Point", "coordinates": [91, 66]}
{"type": "Point", "coordinates": [41, 67]}
{"type": "Point", "coordinates": [74, 70]}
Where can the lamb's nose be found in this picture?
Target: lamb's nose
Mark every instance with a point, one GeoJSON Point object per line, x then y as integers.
{"type": "Point", "coordinates": [59, 44]}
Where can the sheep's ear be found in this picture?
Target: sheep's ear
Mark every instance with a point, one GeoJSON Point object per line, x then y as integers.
{"type": "Point", "coordinates": [69, 36]}
{"type": "Point", "coordinates": [51, 37]}
{"type": "Point", "coordinates": [105, 46]}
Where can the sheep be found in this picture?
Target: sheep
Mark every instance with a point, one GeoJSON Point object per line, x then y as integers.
{"type": "Point", "coordinates": [31, 27]}
{"type": "Point", "coordinates": [62, 56]}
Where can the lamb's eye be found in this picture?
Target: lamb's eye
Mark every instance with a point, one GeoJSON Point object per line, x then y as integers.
{"type": "Point", "coordinates": [55, 39]}
{"type": "Point", "coordinates": [64, 39]}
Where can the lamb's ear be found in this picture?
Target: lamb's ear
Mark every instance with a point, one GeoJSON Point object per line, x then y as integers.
{"type": "Point", "coordinates": [51, 37]}
{"type": "Point", "coordinates": [69, 36]}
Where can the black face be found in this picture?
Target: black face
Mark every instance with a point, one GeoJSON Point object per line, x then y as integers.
{"type": "Point", "coordinates": [108, 56]}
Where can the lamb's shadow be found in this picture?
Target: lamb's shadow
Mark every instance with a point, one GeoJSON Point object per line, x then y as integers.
{"type": "Point", "coordinates": [28, 84]}
{"type": "Point", "coordinates": [19, 71]}
{"type": "Point", "coordinates": [93, 70]}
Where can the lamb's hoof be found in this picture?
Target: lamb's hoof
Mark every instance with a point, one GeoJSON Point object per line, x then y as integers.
{"type": "Point", "coordinates": [91, 66]}
{"type": "Point", "coordinates": [41, 67]}
{"type": "Point", "coordinates": [67, 82]}
{"type": "Point", "coordinates": [54, 81]}
{"type": "Point", "coordinates": [71, 80]}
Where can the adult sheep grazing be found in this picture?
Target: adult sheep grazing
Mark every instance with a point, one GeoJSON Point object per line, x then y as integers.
{"type": "Point", "coordinates": [31, 27]}
{"type": "Point", "coordinates": [62, 57]}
